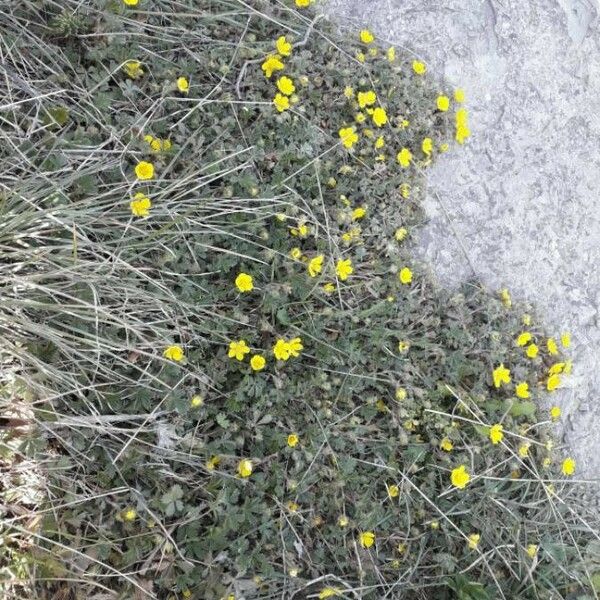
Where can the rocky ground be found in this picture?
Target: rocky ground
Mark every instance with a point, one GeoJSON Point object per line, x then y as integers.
{"type": "Point", "coordinates": [519, 204]}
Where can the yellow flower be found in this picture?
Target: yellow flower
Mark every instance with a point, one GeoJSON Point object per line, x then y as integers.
{"type": "Point", "coordinates": [532, 350]}
{"type": "Point", "coordinates": [129, 514]}
{"type": "Point", "coordinates": [281, 102]}
{"type": "Point", "coordinates": [167, 144]}
{"type": "Point", "coordinates": [460, 477]}
{"type": "Point", "coordinates": [315, 265]}
{"type": "Point", "coordinates": [462, 128]}
{"type": "Point", "coordinates": [401, 394]}
{"type": "Point", "coordinates": [391, 54]}
{"type": "Point", "coordinates": [292, 506]}
{"type": "Point", "coordinates": [155, 145]}
{"type": "Point", "coordinates": [526, 320]}
{"type": "Point", "coordinates": [380, 404]}
{"type": "Point", "coordinates": [174, 353]}
{"type": "Point", "coordinates": [144, 170]}
{"type": "Point", "coordinates": [553, 382]}
{"type": "Point", "coordinates": [400, 234]}
{"type": "Point", "coordinates": [327, 592]}
{"type": "Point", "coordinates": [130, 2]}
{"type": "Point", "coordinates": [552, 346]}
{"type": "Point", "coordinates": [444, 147]}
{"type": "Point", "coordinates": [496, 433]}
{"type": "Point", "coordinates": [295, 346]}
{"type": "Point", "coordinates": [403, 346]}
{"type": "Point", "coordinates": [524, 338]}
{"type": "Point", "coordinates": [245, 467]}
{"type": "Point", "coordinates": [343, 269]}
{"type": "Point", "coordinates": [343, 521]}
{"type": "Point", "coordinates": [557, 368]}
{"type": "Point", "coordinates": [358, 213]}
{"type": "Point", "coordinates": [292, 440]}
{"type": "Point", "coordinates": [443, 103]}
{"type": "Point", "coordinates": [349, 92]}
{"type": "Point", "coordinates": [366, 539]}
{"type": "Point", "coordinates": [329, 288]}
{"type": "Point", "coordinates": [360, 118]}
{"type": "Point", "coordinates": [140, 205]}
{"type": "Point", "coordinates": [568, 366]}
{"type": "Point", "coordinates": [532, 550]}
{"type": "Point", "coordinates": [196, 401]}
{"type": "Point", "coordinates": [427, 146]}
{"type": "Point", "coordinates": [286, 86]}
{"type": "Point", "coordinates": [351, 235]}
{"type": "Point", "coordinates": [348, 136]}
{"type": "Point", "coordinates": [281, 349]}
{"type": "Point", "coordinates": [183, 85]}
{"type": "Point", "coordinates": [404, 157]}
{"type": "Point", "coordinates": [393, 490]}
{"type": "Point", "coordinates": [366, 37]}
{"type": "Point", "coordinates": [133, 68]}
{"type": "Point", "coordinates": [380, 142]}
{"type": "Point", "coordinates": [474, 540]}
{"type": "Point", "coordinates": [186, 593]}
{"type": "Point", "coordinates": [524, 450]}
{"type": "Point", "coordinates": [366, 98]}
{"type": "Point", "coordinates": [284, 48]}
{"type": "Point", "coordinates": [568, 466]}
{"type": "Point", "coordinates": [522, 390]}
{"type": "Point", "coordinates": [238, 350]}
{"type": "Point", "coordinates": [505, 297]}
{"type": "Point", "coordinates": [446, 445]}
{"type": "Point", "coordinates": [380, 117]}
{"type": "Point", "coordinates": [459, 95]}
{"type": "Point", "coordinates": [405, 276]}
{"type": "Point", "coordinates": [272, 63]}
{"type": "Point", "coordinates": [501, 375]}
{"type": "Point", "coordinates": [296, 253]}
{"type": "Point", "coordinates": [462, 133]}
{"type": "Point", "coordinates": [302, 230]}
{"type": "Point", "coordinates": [258, 362]}
{"type": "Point", "coordinates": [360, 56]}
{"type": "Point", "coordinates": [244, 282]}
{"type": "Point", "coordinates": [555, 413]}
{"type": "Point", "coordinates": [418, 67]}
{"type": "Point", "coordinates": [212, 463]}
{"type": "Point", "coordinates": [565, 339]}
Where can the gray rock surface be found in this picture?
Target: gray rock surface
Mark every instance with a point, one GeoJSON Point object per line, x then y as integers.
{"type": "Point", "coordinates": [523, 194]}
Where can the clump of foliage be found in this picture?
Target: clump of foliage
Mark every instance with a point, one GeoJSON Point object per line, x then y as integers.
{"type": "Point", "coordinates": [243, 384]}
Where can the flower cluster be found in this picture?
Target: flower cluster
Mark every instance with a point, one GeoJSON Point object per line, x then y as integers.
{"type": "Point", "coordinates": [274, 63]}
{"type": "Point", "coordinates": [285, 349]}
{"type": "Point", "coordinates": [157, 144]}
{"type": "Point", "coordinates": [369, 112]}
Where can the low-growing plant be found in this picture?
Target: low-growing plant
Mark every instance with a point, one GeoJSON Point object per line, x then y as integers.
{"type": "Point", "coordinates": [243, 384]}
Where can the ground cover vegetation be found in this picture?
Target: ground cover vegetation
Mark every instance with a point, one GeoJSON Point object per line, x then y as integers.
{"type": "Point", "coordinates": [239, 383]}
